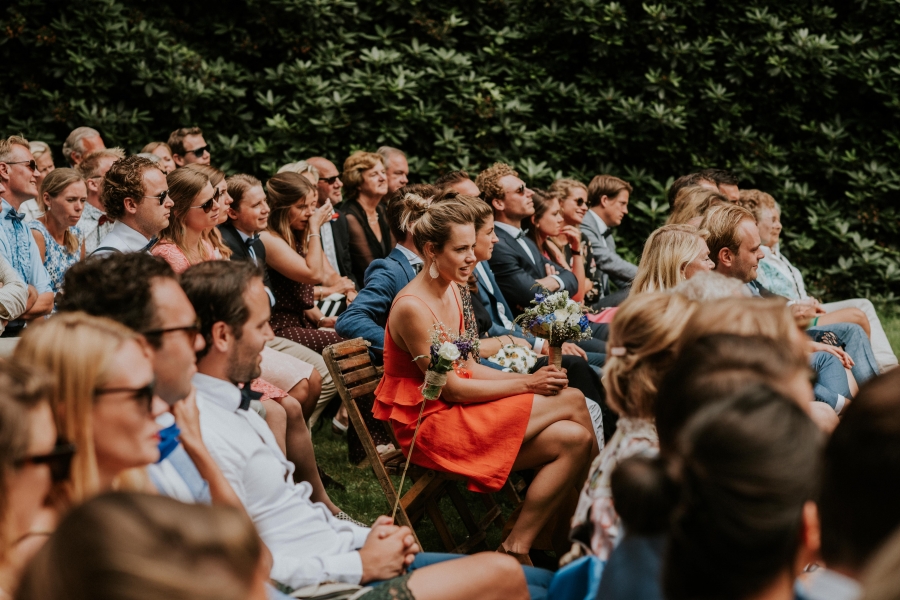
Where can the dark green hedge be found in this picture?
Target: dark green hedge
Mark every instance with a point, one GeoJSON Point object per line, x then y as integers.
{"type": "Point", "coordinates": [799, 98]}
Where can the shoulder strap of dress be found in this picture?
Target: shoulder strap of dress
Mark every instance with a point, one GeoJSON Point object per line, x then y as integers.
{"type": "Point", "coordinates": [417, 298]}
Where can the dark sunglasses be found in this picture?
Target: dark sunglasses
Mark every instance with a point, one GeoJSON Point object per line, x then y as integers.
{"type": "Point", "coordinates": [160, 196]}
{"type": "Point", "coordinates": [518, 190]}
{"type": "Point", "coordinates": [144, 395]}
{"type": "Point", "coordinates": [198, 152]}
{"type": "Point", "coordinates": [330, 180]}
{"type": "Point", "coordinates": [31, 164]}
{"type": "Point", "coordinates": [192, 330]}
{"type": "Point", "coordinates": [59, 460]}
{"type": "Point", "coordinates": [208, 205]}
{"type": "Point", "coordinates": [580, 202]}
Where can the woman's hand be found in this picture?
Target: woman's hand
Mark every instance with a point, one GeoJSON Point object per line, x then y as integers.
{"type": "Point", "coordinates": [573, 236]}
{"type": "Point", "coordinates": [326, 322]}
{"type": "Point", "coordinates": [187, 417]}
{"type": "Point", "coordinates": [548, 381]}
{"type": "Point", "coordinates": [846, 360]}
{"type": "Point", "coordinates": [321, 215]}
{"type": "Point", "coordinates": [557, 255]}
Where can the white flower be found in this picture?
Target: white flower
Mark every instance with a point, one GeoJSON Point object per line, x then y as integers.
{"type": "Point", "coordinates": [554, 298]}
{"type": "Point", "coordinates": [573, 308]}
{"type": "Point", "coordinates": [561, 315]}
{"type": "Point", "coordinates": [448, 351]}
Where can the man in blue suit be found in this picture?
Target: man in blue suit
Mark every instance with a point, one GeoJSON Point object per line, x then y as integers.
{"type": "Point", "coordinates": [517, 262]}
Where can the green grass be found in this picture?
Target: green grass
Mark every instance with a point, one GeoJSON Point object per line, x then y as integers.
{"type": "Point", "coordinates": [891, 326]}
{"type": "Point", "coordinates": [364, 501]}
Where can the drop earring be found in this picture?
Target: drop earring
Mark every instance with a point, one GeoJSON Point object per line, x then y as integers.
{"type": "Point", "coordinates": [432, 270]}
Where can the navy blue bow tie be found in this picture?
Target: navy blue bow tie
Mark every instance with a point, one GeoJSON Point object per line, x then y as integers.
{"type": "Point", "coordinates": [149, 245]}
{"type": "Point", "coordinates": [247, 395]}
{"type": "Point", "coordinates": [520, 235]}
{"type": "Point", "coordinates": [250, 240]}
{"type": "Point", "coordinates": [15, 216]}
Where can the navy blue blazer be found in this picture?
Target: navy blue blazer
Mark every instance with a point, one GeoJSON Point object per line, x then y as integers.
{"type": "Point", "coordinates": [516, 273]}
{"type": "Point", "coordinates": [490, 302]}
{"type": "Point", "coordinates": [367, 314]}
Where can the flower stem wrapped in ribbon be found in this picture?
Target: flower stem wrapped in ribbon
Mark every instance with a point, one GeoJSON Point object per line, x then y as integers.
{"type": "Point", "coordinates": [446, 355]}
{"type": "Point", "coordinates": [557, 319]}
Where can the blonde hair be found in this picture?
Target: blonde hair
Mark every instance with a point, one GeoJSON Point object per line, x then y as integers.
{"type": "Point", "coordinates": [644, 339]}
{"type": "Point", "coordinates": [692, 202]}
{"type": "Point", "coordinates": [767, 317]}
{"type": "Point", "coordinates": [710, 285]}
{"type": "Point", "coordinates": [354, 166]}
{"type": "Point", "coordinates": [282, 192]}
{"type": "Point", "coordinates": [562, 188]}
{"type": "Point", "coordinates": [77, 349]}
{"type": "Point", "coordinates": [213, 236]}
{"type": "Point", "coordinates": [756, 202]}
{"type": "Point", "coordinates": [184, 185]}
{"type": "Point", "coordinates": [301, 167]}
{"type": "Point", "coordinates": [722, 222]}
{"type": "Point", "coordinates": [53, 185]}
{"type": "Point", "coordinates": [433, 227]}
{"type": "Point", "coordinates": [667, 251]}
{"type": "Point", "coordinates": [149, 148]}
{"type": "Point", "coordinates": [38, 149]}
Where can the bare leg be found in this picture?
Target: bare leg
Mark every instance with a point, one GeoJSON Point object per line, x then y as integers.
{"type": "Point", "coordinates": [486, 576]}
{"type": "Point", "coordinates": [300, 452]}
{"type": "Point", "coordinates": [276, 419]}
{"type": "Point", "coordinates": [847, 315]}
{"type": "Point", "coordinates": [560, 447]}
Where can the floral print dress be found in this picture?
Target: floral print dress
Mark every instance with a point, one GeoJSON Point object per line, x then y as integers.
{"type": "Point", "coordinates": [58, 258]}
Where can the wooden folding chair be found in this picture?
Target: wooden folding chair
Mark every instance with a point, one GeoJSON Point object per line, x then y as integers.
{"type": "Point", "coordinates": [356, 378]}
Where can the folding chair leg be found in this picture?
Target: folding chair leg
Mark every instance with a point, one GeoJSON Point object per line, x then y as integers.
{"type": "Point", "coordinates": [437, 518]}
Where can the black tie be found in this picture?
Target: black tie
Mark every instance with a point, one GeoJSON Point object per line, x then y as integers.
{"type": "Point", "coordinates": [247, 395]}
{"type": "Point", "coordinates": [417, 267]}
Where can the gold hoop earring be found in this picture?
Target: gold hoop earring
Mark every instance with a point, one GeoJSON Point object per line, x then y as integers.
{"type": "Point", "coordinates": [432, 270]}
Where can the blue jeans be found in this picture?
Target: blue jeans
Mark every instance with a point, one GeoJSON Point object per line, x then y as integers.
{"type": "Point", "coordinates": [857, 345]}
{"type": "Point", "coordinates": [832, 378]}
{"type": "Point", "coordinates": [538, 579]}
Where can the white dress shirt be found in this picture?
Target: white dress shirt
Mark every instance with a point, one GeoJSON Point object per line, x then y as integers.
{"type": "Point", "coordinates": [413, 258]}
{"type": "Point", "coordinates": [328, 246]}
{"type": "Point", "coordinates": [122, 238]}
{"type": "Point", "coordinates": [308, 544]}
{"type": "Point", "coordinates": [516, 233]}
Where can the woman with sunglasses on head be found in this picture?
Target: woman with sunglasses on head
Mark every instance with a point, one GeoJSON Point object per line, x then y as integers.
{"type": "Point", "coordinates": [296, 260]}
{"type": "Point", "coordinates": [30, 461]}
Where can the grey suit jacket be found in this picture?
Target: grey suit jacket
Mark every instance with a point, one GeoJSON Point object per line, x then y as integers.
{"type": "Point", "coordinates": [609, 263]}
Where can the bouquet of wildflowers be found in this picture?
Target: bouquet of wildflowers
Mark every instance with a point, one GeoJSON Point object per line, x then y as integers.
{"type": "Point", "coordinates": [557, 319]}
{"type": "Point", "coordinates": [447, 354]}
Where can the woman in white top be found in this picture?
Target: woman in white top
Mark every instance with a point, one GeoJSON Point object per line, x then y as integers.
{"type": "Point", "coordinates": [779, 276]}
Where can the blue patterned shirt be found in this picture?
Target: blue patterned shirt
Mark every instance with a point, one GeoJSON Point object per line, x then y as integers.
{"type": "Point", "coordinates": [19, 248]}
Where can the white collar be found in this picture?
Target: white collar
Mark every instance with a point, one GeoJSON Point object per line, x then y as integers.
{"type": "Point", "coordinates": [221, 392]}
{"type": "Point", "coordinates": [510, 229]}
{"type": "Point", "coordinates": [244, 236]}
{"type": "Point", "coordinates": [411, 256]}
{"type": "Point", "coordinates": [600, 223]}
{"type": "Point", "coordinates": [130, 236]}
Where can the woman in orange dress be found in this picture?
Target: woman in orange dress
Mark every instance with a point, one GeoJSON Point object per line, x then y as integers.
{"type": "Point", "coordinates": [486, 423]}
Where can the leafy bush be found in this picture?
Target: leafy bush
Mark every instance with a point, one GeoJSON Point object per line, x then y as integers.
{"type": "Point", "coordinates": [797, 98]}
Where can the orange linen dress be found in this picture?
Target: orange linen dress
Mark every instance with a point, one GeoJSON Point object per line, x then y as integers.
{"type": "Point", "coordinates": [479, 441]}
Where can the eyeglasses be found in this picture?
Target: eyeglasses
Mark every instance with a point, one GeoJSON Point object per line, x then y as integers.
{"type": "Point", "coordinates": [198, 152]}
{"type": "Point", "coordinates": [143, 395]}
{"type": "Point", "coordinates": [31, 164]}
{"type": "Point", "coordinates": [208, 205]}
{"type": "Point", "coordinates": [160, 196]}
{"type": "Point", "coordinates": [580, 202]}
{"type": "Point", "coordinates": [330, 180]}
{"type": "Point", "coordinates": [519, 190]}
{"type": "Point", "coordinates": [192, 330]}
{"type": "Point", "coordinates": [59, 460]}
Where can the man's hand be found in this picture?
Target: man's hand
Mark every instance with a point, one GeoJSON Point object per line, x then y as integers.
{"type": "Point", "coordinates": [387, 552]}
{"type": "Point", "coordinates": [570, 349]}
{"type": "Point", "coordinates": [32, 297]}
{"type": "Point", "coordinates": [846, 360]}
{"type": "Point", "coordinates": [549, 283]}
{"type": "Point", "coordinates": [803, 311]}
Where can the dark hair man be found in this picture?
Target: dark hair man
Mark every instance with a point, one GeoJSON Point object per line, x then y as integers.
{"type": "Point", "coordinates": [189, 147]}
{"type": "Point", "coordinates": [458, 181]}
{"type": "Point", "coordinates": [94, 222]}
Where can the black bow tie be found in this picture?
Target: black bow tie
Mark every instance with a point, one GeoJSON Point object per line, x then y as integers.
{"type": "Point", "coordinates": [250, 240]}
{"type": "Point", "coordinates": [149, 245]}
{"type": "Point", "coordinates": [247, 395]}
{"type": "Point", "coordinates": [417, 267]}
{"type": "Point", "coordinates": [520, 235]}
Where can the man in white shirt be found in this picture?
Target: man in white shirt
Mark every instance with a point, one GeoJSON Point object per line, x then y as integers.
{"type": "Point", "coordinates": [94, 222]}
{"type": "Point", "coordinates": [136, 195]}
{"type": "Point", "coordinates": [309, 545]}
